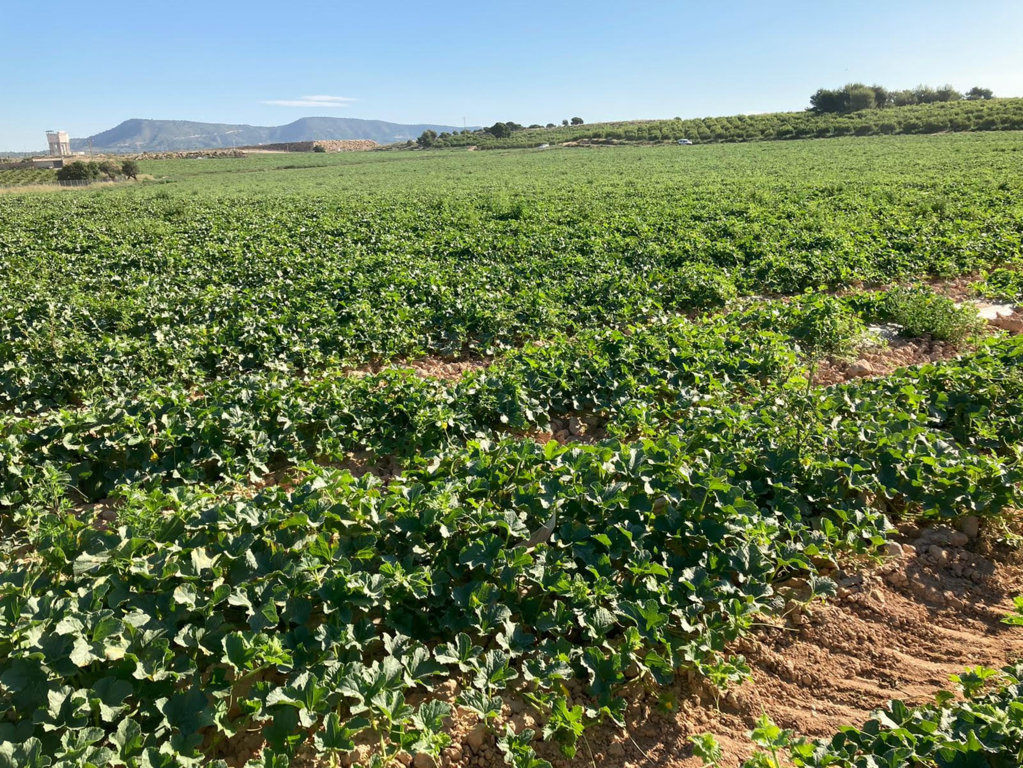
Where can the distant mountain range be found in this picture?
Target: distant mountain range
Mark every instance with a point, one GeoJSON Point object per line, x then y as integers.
{"type": "Point", "coordinates": [173, 135]}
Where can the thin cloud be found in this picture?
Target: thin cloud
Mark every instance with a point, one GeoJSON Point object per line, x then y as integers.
{"type": "Point", "coordinates": [324, 102]}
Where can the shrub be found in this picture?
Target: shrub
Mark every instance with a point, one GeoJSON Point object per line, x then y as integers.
{"type": "Point", "coordinates": [922, 312]}
{"type": "Point", "coordinates": [78, 171]}
{"type": "Point", "coordinates": [823, 326]}
{"type": "Point", "coordinates": [110, 169]}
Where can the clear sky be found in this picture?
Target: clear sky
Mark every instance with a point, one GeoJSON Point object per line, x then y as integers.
{"type": "Point", "coordinates": [84, 67]}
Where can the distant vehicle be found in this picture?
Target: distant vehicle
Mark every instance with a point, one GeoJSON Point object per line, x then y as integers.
{"type": "Point", "coordinates": [544, 146]}
{"type": "Point", "coordinates": [686, 142]}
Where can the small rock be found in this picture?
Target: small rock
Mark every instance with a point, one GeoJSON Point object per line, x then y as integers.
{"type": "Point", "coordinates": [893, 549]}
{"type": "Point", "coordinates": [575, 425]}
{"type": "Point", "coordinates": [909, 530]}
{"type": "Point", "coordinates": [897, 578]}
{"type": "Point", "coordinates": [522, 721]}
{"type": "Point", "coordinates": [885, 332]}
{"type": "Point", "coordinates": [455, 752]}
{"type": "Point", "coordinates": [108, 514]}
{"type": "Point", "coordinates": [616, 749]}
{"type": "Point", "coordinates": [423, 760]}
{"type": "Point", "coordinates": [860, 369]}
{"type": "Point", "coordinates": [941, 535]}
{"type": "Point", "coordinates": [1012, 323]}
{"type": "Point", "coordinates": [476, 737]}
{"type": "Point", "coordinates": [970, 526]}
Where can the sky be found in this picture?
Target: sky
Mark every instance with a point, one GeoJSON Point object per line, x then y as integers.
{"type": "Point", "coordinates": [84, 68]}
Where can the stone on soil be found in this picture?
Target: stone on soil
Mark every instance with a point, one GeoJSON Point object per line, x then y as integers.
{"type": "Point", "coordinates": [860, 368]}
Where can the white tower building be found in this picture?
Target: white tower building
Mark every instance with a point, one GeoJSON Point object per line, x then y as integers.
{"type": "Point", "coordinates": [59, 143]}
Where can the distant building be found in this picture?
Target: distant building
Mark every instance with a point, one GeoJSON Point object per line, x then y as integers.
{"type": "Point", "coordinates": [59, 143]}
{"type": "Point", "coordinates": [48, 162]}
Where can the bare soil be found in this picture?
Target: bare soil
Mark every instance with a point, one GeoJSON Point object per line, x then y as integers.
{"type": "Point", "coordinates": [884, 360]}
{"type": "Point", "coordinates": [428, 367]}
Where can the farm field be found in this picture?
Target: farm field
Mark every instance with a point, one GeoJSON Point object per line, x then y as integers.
{"type": "Point", "coordinates": [600, 456]}
{"type": "Point", "coordinates": [18, 177]}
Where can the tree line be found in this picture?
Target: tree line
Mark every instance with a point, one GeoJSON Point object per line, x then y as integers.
{"type": "Point", "coordinates": [499, 130]}
{"type": "Point", "coordinates": [109, 169]}
{"type": "Point", "coordinates": [855, 97]}
{"type": "Point", "coordinates": [921, 119]}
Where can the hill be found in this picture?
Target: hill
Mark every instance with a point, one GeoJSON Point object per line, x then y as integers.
{"type": "Point", "coordinates": [984, 115]}
{"type": "Point", "coordinates": [138, 135]}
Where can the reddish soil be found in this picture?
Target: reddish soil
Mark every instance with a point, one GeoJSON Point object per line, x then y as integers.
{"type": "Point", "coordinates": [385, 468]}
{"type": "Point", "coordinates": [578, 428]}
{"type": "Point", "coordinates": [882, 361]}
{"type": "Point", "coordinates": [429, 367]}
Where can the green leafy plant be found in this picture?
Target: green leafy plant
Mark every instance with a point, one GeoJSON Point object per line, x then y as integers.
{"type": "Point", "coordinates": [1015, 619]}
{"type": "Point", "coordinates": [921, 312]}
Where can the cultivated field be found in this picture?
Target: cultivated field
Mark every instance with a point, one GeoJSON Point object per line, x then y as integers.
{"type": "Point", "coordinates": [585, 456]}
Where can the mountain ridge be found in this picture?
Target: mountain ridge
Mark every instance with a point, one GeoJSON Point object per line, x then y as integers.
{"type": "Point", "coordinates": [146, 135]}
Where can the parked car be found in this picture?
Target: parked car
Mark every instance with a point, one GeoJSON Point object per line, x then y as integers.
{"type": "Point", "coordinates": [684, 141]}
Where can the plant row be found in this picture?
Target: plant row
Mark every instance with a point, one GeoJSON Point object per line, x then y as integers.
{"type": "Point", "coordinates": [313, 616]}
{"type": "Point", "coordinates": [987, 115]}
{"type": "Point", "coordinates": [103, 293]}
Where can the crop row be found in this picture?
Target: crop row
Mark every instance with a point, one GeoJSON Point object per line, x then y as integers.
{"type": "Point", "coordinates": [102, 293]}
{"type": "Point", "coordinates": [314, 613]}
{"type": "Point", "coordinates": [639, 381]}
{"type": "Point", "coordinates": [24, 176]}
{"type": "Point", "coordinates": [993, 115]}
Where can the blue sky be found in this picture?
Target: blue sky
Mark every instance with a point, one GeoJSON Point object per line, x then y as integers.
{"type": "Point", "coordinates": [86, 67]}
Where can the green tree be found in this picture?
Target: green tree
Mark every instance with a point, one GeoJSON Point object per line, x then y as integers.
{"type": "Point", "coordinates": [500, 130]}
{"type": "Point", "coordinates": [577, 121]}
{"type": "Point", "coordinates": [827, 101]}
{"type": "Point", "coordinates": [882, 96]}
{"type": "Point", "coordinates": [976, 93]}
{"type": "Point", "coordinates": [859, 97]}
{"type": "Point", "coordinates": [948, 93]}
{"type": "Point", "coordinates": [130, 169]}
{"type": "Point", "coordinates": [78, 171]}
{"type": "Point", "coordinates": [903, 98]}
{"type": "Point", "coordinates": [110, 169]}
{"type": "Point", "coordinates": [427, 139]}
